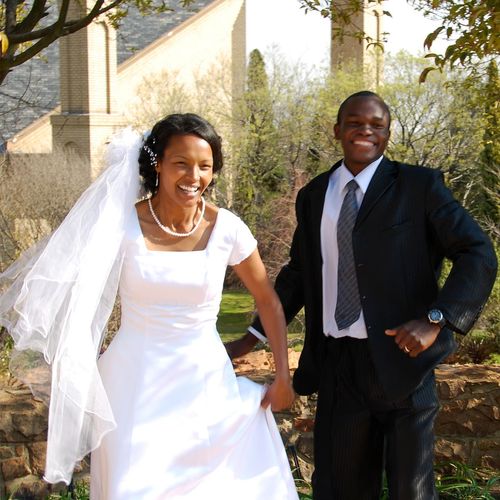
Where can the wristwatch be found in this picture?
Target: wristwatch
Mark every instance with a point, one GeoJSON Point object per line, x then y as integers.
{"type": "Point", "coordinates": [436, 317]}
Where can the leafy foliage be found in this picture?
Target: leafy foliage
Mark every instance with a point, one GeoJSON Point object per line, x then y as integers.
{"type": "Point", "coordinates": [438, 125]}
{"type": "Point", "coordinates": [258, 167]}
{"type": "Point", "coordinates": [78, 491]}
{"type": "Point", "coordinates": [489, 160]}
{"type": "Point", "coordinates": [477, 347]}
{"type": "Point", "coordinates": [471, 28]}
{"type": "Point", "coordinates": [458, 481]}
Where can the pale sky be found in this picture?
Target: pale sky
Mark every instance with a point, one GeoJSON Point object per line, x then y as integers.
{"type": "Point", "coordinates": [282, 22]}
{"type": "Point", "coordinates": [408, 28]}
{"type": "Point", "coordinates": [305, 37]}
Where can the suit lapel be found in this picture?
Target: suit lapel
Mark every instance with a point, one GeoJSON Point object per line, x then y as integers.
{"type": "Point", "coordinates": [383, 178]}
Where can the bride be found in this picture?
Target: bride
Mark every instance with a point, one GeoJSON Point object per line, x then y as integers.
{"type": "Point", "coordinates": [162, 410]}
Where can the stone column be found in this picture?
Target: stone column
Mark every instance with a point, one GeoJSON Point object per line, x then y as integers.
{"type": "Point", "coordinates": [350, 51]}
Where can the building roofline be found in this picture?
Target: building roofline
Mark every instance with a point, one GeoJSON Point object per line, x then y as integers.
{"type": "Point", "coordinates": [42, 121]}
{"type": "Point", "coordinates": [33, 126]}
{"type": "Point", "coordinates": [163, 38]}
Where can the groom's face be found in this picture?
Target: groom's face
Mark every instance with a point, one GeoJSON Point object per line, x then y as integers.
{"type": "Point", "coordinates": [363, 131]}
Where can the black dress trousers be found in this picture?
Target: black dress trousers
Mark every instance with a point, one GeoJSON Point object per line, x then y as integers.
{"type": "Point", "coordinates": [359, 433]}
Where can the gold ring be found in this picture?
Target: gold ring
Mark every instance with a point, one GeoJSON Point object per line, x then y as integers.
{"type": "Point", "coordinates": [405, 349]}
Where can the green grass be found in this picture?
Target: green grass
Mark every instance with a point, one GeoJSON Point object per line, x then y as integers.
{"type": "Point", "coordinates": [458, 481]}
{"type": "Point", "coordinates": [236, 312]}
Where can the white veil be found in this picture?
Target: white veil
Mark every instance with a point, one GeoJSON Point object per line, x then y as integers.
{"type": "Point", "coordinates": [55, 302]}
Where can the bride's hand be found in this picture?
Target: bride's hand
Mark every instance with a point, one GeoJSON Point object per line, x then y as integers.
{"type": "Point", "coordinates": [279, 394]}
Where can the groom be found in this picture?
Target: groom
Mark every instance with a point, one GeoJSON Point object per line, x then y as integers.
{"type": "Point", "coordinates": [364, 262]}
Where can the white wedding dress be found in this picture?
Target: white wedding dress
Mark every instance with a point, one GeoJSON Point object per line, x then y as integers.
{"type": "Point", "coordinates": [187, 427]}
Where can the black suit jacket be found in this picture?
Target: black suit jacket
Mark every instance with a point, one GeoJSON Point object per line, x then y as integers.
{"type": "Point", "coordinates": [407, 223]}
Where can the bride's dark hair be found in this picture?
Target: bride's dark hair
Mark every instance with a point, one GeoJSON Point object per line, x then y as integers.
{"type": "Point", "coordinates": [176, 124]}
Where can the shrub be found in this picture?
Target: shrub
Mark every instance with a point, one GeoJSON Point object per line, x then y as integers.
{"type": "Point", "coordinates": [36, 192]}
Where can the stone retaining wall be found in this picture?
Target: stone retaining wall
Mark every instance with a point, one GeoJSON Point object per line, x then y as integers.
{"type": "Point", "coordinates": [467, 428]}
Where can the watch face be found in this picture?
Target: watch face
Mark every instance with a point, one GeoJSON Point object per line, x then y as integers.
{"type": "Point", "coordinates": [435, 315]}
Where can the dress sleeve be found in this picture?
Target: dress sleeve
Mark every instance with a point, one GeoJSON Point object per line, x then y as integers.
{"type": "Point", "coordinates": [243, 243]}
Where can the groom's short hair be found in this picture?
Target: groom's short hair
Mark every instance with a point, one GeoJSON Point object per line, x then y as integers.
{"type": "Point", "coordinates": [364, 93]}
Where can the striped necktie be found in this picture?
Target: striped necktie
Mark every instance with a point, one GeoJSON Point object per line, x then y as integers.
{"type": "Point", "coordinates": [348, 306]}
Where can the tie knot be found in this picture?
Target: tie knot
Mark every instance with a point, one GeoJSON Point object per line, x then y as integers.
{"type": "Point", "coordinates": [352, 185]}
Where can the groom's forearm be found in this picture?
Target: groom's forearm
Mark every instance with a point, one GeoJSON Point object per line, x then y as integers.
{"type": "Point", "coordinates": [241, 346]}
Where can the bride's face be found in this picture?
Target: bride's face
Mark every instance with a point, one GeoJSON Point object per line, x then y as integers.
{"type": "Point", "coordinates": [185, 170]}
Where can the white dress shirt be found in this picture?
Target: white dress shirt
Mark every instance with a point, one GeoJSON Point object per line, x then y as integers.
{"type": "Point", "coordinates": [334, 197]}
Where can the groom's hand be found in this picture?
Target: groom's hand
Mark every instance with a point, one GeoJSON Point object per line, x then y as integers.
{"type": "Point", "coordinates": [415, 336]}
{"type": "Point", "coordinates": [241, 346]}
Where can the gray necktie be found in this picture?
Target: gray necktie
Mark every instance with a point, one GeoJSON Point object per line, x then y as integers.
{"type": "Point", "coordinates": [348, 306]}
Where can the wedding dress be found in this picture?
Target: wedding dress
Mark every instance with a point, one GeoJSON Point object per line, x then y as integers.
{"type": "Point", "coordinates": [186, 426]}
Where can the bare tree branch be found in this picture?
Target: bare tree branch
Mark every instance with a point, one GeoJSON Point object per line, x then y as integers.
{"type": "Point", "coordinates": [26, 32]}
{"type": "Point", "coordinates": [38, 11]}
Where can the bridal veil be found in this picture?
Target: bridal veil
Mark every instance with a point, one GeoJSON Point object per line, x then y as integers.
{"type": "Point", "coordinates": [55, 302]}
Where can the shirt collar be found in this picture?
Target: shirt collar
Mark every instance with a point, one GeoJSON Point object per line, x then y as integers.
{"type": "Point", "coordinates": [363, 178]}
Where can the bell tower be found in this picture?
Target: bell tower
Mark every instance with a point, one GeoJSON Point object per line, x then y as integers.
{"type": "Point", "coordinates": [348, 50]}
{"type": "Point", "coordinates": [87, 66]}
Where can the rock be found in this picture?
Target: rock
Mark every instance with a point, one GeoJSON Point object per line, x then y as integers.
{"type": "Point", "coordinates": [488, 453]}
{"type": "Point", "coordinates": [305, 447]}
{"type": "Point", "coordinates": [37, 452]}
{"type": "Point", "coordinates": [448, 389]}
{"type": "Point", "coordinates": [469, 397]}
{"type": "Point", "coordinates": [446, 450]}
{"type": "Point", "coordinates": [22, 418]}
{"type": "Point", "coordinates": [467, 417]}
{"type": "Point", "coordinates": [7, 452]}
{"type": "Point", "coordinates": [304, 424]}
{"type": "Point", "coordinates": [30, 424]}
{"type": "Point", "coordinates": [13, 468]}
{"type": "Point", "coordinates": [262, 360]}
{"type": "Point", "coordinates": [32, 484]}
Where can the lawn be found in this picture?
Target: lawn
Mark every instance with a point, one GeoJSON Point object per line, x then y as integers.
{"type": "Point", "coordinates": [236, 314]}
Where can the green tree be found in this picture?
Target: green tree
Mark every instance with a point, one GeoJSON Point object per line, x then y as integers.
{"type": "Point", "coordinates": [259, 170]}
{"type": "Point", "coordinates": [489, 160]}
{"type": "Point", "coordinates": [437, 125]}
{"type": "Point", "coordinates": [26, 27]}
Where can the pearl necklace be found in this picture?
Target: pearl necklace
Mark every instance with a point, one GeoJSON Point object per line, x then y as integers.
{"type": "Point", "coordinates": [173, 233]}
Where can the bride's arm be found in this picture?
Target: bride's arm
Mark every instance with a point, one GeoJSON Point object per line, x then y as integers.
{"type": "Point", "coordinates": [252, 273]}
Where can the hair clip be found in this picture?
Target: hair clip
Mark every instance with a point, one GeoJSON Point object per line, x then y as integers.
{"type": "Point", "coordinates": [153, 158]}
